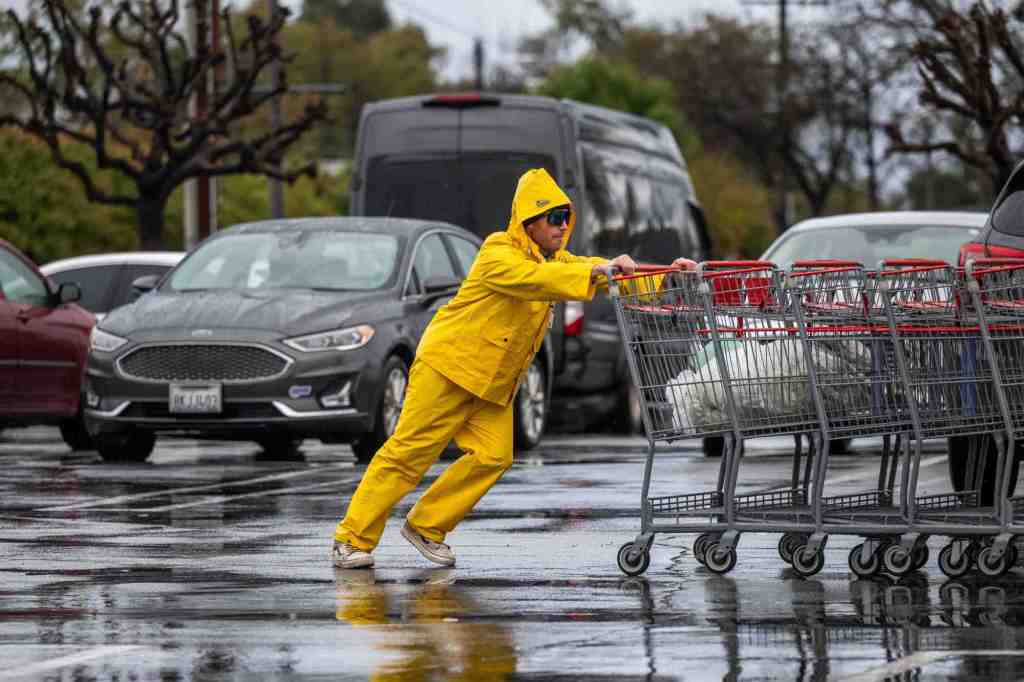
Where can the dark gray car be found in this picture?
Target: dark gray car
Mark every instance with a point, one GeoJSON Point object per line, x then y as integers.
{"type": "Point", "coordinates": [275, 331]}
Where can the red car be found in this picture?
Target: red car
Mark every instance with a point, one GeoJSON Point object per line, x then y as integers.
{"type": "Point", "coordinates": [44, 342]}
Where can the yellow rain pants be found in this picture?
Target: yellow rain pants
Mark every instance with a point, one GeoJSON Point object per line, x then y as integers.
{"type": "Point", "coordinates": [435, 411]}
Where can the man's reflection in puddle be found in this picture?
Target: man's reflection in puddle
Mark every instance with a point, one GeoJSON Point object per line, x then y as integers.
{"type": "Point", "coordinates": [436, 641]}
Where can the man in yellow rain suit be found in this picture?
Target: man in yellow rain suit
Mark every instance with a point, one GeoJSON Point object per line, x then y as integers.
{"type": "Point", "coordinates": [467, 368]}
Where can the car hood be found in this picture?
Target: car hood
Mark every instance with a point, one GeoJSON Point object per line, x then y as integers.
{"type": "Point", "coordinates": [288, 312]}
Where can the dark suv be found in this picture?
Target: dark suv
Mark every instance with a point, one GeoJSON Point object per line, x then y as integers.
{"type": "Point", "coordinates": [457, 158]}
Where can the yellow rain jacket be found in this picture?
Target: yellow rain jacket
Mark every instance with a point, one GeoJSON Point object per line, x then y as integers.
{"type": "Point", "coordinates": [485, 338]}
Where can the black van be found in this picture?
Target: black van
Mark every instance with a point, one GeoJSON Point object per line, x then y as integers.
{"type": "Point", "coordinates": [457, 157]}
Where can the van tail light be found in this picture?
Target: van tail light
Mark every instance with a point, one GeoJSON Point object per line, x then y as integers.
{"type": "Point", "coordinates": [573, 318]}
{"type": "Point", "coordinates": [462, 100]}
{"type": "Point", "coordinates": [972, 250]}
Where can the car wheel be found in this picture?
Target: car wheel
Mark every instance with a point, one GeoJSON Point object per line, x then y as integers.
{"type": "Point", "coordinates": [629, 413]}
{"type": "Point", "coordinates": [279, 446]}
{"type": "Point", "coordinates": [531, 407]}
{"type": "Point", "coordinates": [127, 446]}
{"type": "Point", "coordinates": [713, 446]}
{"type": "Point", "coordinates": [959, 452]}
{"type": "Point", "coordinates": [75, 436]}
{"type": "Point", "coordinates": [396, 380]}
{"type": "Point", "coordinates": [839, 446]}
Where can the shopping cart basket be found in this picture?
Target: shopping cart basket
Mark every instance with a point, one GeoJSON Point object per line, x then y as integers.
{"type": "Point", "coordinates": [946, 372]}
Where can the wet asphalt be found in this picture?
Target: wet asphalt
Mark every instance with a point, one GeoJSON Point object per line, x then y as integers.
{"type": "Point", "coordinates": [210, 562]}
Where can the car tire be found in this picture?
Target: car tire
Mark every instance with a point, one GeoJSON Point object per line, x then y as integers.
{"type": "Point", "coordinates": [629, 411]}
{"type": "Point", "coordinates": [713, 446]}
{"type": "Point", "coordinates": [76, 436]}
{"type": "Point", "coordinates": [959, 451]}
{"type": "Point", "coordinates": [387, 411]}
{"type": "Point", "coordinates": [530, 411]}
{"type": "Point", "coordinates": [125, 447]}
{"type": "Point", "coordinates": [279, 446]}
{"type": "Point", "coordinates": [839, 446]}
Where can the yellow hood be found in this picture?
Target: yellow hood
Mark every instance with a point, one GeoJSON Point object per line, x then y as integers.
{"type": "Point", "coordinates": [537, 193]}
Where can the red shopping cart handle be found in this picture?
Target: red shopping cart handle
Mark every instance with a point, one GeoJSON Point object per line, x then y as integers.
{"type": "Point", "coordinates": [913, 262]}
{"type": "Point", "coordinates": [827, 263]}
{"type": "Point", "coordinates": [738, 264]}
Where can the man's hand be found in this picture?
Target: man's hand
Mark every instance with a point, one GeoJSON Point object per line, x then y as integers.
{"type": "Point", "coordinates": [624, 263]}
{"type": "Point", "coordinates": [684, 264]}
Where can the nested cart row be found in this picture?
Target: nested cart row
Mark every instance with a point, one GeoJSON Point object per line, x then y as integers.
{"type": "Point", "coordinates": [827, 350]}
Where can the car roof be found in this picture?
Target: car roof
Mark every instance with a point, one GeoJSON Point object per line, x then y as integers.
{"type": "Point", "coordinates": [395, 226]}
{"type": "Point", "coordinates": [966, 219]}
{"type": "Point", "coordinates": [169, 258]}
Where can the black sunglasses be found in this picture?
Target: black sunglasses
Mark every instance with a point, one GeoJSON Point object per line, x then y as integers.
{"type": "Point", "coordinates": [559, 216]}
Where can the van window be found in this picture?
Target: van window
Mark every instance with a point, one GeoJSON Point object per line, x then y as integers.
{"type": "Point", "coordinates": [472, 190]}
{"type": "Point", "coordinates": [637, 206]}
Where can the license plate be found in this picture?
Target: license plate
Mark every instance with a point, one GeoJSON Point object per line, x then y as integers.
{"type": "Point", "coordinates": [194, 399]}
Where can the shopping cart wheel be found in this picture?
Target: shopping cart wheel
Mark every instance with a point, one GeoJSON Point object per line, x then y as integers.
{"type": "Point", "coordinates": [700, 545]}
{"type": "Point", "coordinates": [897, 560]}
{"type": "Point", "coordinates": [864, 567]}
{"type": "Point", "coordinates": [633, 560]}
{"type": "Point", "coordinates": [720, 559]}
{"type": "Point", "coordinates": [993, 566]}
{"type": "Point", "coordinates": [807, 562]}
{"type": "Point", "coordinates": [788, 544]}
{"type": "Point", "coordinates": [950, 568]}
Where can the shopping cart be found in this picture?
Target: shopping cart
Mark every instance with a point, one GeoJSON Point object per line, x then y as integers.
{"type": "Point", "coordinates": [841, 321]}
{"type": "Point", "coordinates": [664, 326]}
{"type": "Point", "coordinates": [997, 293]}
{"type": "Point", "coordinates": [948, 378]}
{"type": "Point", "coordinates": [714, 353]}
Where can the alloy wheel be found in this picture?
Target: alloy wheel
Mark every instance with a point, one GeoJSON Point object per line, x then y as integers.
{"type": "Point", "coordinates": [531, 402]}
{"type": "Point", "coordinates": [394, 398]}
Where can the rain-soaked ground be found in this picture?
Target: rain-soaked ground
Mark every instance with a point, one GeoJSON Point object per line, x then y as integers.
{"type": "Point", "coordinates": [209, 563]}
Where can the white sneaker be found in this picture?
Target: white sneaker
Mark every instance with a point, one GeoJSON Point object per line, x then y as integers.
{"type": "Point", "coordinates": [438, 552]}
{"type": "Point", "coordinates": [345, 555]}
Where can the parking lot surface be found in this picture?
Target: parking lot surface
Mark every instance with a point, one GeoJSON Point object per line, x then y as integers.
{"type": "Point", "coordinates": [210, 563]}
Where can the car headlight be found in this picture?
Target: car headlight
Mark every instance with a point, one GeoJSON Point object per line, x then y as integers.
{"type": "Point", "coordinates": [105, 342]}
{"type": "Point", "coordinates": [339, 339]}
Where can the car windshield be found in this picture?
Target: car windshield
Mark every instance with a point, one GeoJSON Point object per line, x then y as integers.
{"type": "Point", "coordinates": [331, 261]}
{"type": "Point", "coordinates": [870, 244]}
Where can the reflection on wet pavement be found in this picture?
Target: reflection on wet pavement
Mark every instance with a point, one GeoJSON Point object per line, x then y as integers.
{"type": "Point", "coordinates": [440, 635]}
{"type": "Point", "coordinates": [210, 565]}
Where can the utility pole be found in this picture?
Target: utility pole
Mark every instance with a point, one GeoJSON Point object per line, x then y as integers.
{"type": "Point", "coordinates": [478, 64]}
{"type": "Point", "coordinates": [276, 188]}
{"type": "Point", "coordinates": [782, 212]}
{"type": "Point", "coordinates": [200, 195]}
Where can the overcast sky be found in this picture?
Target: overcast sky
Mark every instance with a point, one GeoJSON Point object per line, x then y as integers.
{"type": "Point", "coordinates": [501, 23]}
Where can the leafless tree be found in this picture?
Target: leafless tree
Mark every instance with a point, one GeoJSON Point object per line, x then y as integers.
{"type": "Point", "coordinates": [121, 82]}
{"type": "Point", "coordinates": [970, 66]}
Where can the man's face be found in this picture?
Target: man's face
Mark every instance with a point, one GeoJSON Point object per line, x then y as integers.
{"type": "Point", "coordinates": [549, 230]}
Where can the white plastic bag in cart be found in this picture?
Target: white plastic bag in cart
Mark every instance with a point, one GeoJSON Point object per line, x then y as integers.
{"type": "Point", "coordinates": [767, 377]}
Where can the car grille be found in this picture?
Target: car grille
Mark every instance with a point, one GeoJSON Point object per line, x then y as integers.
{"type": "Point", "coordinates": [230, 411]}
{"type": "Point", "coordinates": [202, 362]}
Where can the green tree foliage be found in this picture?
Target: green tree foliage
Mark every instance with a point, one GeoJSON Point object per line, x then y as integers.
{"type": "Point", "coordinates": [245, 198]}
{"type": "Point", "coordinates": [617, 85]}
{"type": "Point", "coordinates": [387, 64]}
{"type": "Point", "coordinates": [737, 205]}
{"type": "Point", "coordinates": [362, 17]}
{"type": "Point", "coordinates": [43, 210]}
{"type": "Point", "coordinates": [124, 83]}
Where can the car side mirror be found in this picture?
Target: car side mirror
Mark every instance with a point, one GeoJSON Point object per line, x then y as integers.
{"type": "Point", "coordinates": [141, 285]}
{"type": "Point", "coordinates": [439, 287]}
{"type": "Point", "coordinates": [69, 292]}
